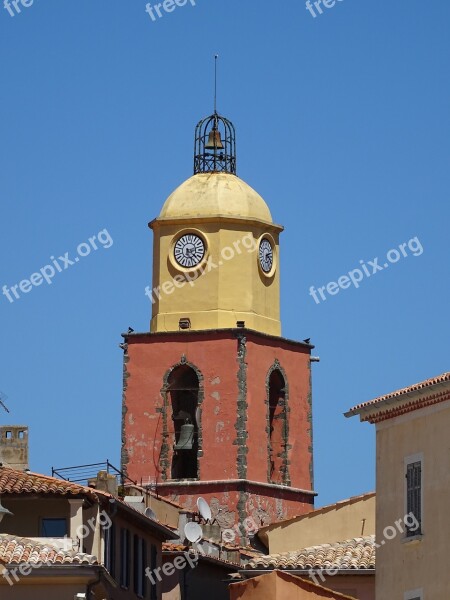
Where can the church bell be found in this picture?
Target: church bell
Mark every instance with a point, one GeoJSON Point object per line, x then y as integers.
{"type": "Point", "coordinates": [186, 439]}
{"type": "Point", "coordinates": [214, 140]}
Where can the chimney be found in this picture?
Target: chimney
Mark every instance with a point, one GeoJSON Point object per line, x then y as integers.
{"type": "Point", "coordinates": [105, 482]}
{"type": "Point", "coordinates": [14, 447]}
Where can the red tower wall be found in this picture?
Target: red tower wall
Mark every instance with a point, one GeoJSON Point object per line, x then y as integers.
{"type": "Point", "coordinates": [233, 462]}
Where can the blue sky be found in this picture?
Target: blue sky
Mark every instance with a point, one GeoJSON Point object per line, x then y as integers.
{"type": "Point", "coordinates": [343, 126]}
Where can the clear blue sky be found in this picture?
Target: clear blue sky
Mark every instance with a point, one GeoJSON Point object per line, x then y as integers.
{"type": "Point", "coordinates": [343, 126]}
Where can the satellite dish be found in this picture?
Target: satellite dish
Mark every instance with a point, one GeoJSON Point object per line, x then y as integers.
{"type": "Point", "coordinates": [193, 532]}
{"type": "Point", "coordinates": [204, 509]}
{"type": "Point", "coordinates": [150, 514]}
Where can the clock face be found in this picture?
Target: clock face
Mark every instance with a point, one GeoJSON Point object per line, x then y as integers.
{"type": "Point", "coordinates": [189, 250]}
{"type": "Point", "coordinates": [266, 255]}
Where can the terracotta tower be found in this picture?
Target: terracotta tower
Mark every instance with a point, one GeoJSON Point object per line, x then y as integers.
{"type": "Point", "coordinates": [216, 404]}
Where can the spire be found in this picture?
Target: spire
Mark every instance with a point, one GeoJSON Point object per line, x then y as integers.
{"type": "Point", "coordinates": [215, 141]}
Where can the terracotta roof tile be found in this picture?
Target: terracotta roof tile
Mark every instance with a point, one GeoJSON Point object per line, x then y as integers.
{"type": "Point", "coordinates": [445, 377]}
{"type": "Point", "coordinates": [15, 550]}
{"type": "Point", "coordinates": [358, 553]}
{"type": "Point", "coordinates": [20, 482]}
{"type": "Point", "coordinates": [171, 547]}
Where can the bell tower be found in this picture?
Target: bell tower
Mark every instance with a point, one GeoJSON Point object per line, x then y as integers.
{"type": "Point", "coordinates": [216, 403]}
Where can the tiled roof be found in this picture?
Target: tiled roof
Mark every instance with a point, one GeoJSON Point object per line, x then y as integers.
{"type": "Point", "coordinates": [417, 387]}
{"type": "Point", "coordinates": [20, 482]}
{"type": "Point", "coordinates": [171, 547]}
{"type": "Point", "coordinates": [15, 550]}
{"type": "Point", "coordinates": [358, 553]}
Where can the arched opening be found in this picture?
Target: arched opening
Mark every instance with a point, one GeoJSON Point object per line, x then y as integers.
{"type": "Point", "coordinates": [183, 391]}
{"type": "Point", "coordinates": [277, 427]}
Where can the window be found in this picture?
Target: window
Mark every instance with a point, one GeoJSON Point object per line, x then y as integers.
{"type": "Point", "coordinates": [414, 495]}
{"type": "Point", "coordinates": [183, 391]}
{"type": "Point", "coordinates": [53, 528]}
{"type": "Point", "coordinates": [153, 566]}
{"type": "Point", "coordinates": [125, 558]}
{"type": "Point", "coordinates": [139, 561]}
{"type": "Point", "coordinates": [110, 550]}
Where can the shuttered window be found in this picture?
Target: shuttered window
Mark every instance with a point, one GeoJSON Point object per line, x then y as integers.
{"type": "Point", "coordinates": [414, 496]}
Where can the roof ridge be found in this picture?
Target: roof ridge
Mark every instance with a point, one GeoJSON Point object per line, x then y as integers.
{"type": "Point", "coordinates": [415, 387]}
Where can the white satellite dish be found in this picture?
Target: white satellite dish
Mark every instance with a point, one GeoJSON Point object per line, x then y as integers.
{"type": "Point", "coordinates": [204, 509]}
{"type": "Point", "coordinates": [193, 532]}
{"type": "Point", "coordinates": [150, 514]}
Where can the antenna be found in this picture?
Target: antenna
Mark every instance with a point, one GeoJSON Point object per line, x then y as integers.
{"type": "Point", "coordinates": [3, 398]}
{"type": "Point", "coordinates": [204, 509]}
{"type": "Point", "coordinates": [216, 56]}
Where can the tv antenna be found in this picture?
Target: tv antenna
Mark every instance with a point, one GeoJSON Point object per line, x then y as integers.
{"type": "Point", "coordinates": [3, 398]}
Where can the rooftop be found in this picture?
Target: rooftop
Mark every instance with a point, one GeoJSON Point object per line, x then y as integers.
{"type": "Point", "coordinates": [16, 550]}
{"type": "Point", "coordinates": [357, 554]}
{"type": "Point", "coordinates": [413, 393]}
{"type": "Point", "coordinates": [27, 483]}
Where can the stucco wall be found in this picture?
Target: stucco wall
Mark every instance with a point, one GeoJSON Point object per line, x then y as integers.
{"type": "Point", "coordinates": [404, 566]}
{"type": "Point", "coordinates": [280, 586]}
{"type": "Point", "coordinates": [361, 587]}
{"type": "Point", "coordinates": [42, 592]}
{"type": "Point", "coordinates": [337, 524]}
{"type": "Point", "coordinates": [233, 424]}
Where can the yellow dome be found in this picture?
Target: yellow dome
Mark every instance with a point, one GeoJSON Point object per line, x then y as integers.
{"type": "Point", "coordinates": [215, 194]}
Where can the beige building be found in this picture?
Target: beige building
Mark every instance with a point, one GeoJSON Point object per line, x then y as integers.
{"type": "Point", "coordinates": [351, 518]}
{"type": "Point", "coordinates": [413, 489]}
{"type": "Point", "coordinates": [333, 546]}
{"type": "Point", "coordinates": [61, 540]}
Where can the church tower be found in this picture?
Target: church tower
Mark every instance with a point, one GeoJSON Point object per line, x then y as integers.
{"type": "Point", "coordinates": [216, 403]}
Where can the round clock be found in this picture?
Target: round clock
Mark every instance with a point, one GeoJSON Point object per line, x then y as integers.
{"type": "Point", "coordinates": [265, 255]}
{"type": "Point", "coordinates": [189, 250]}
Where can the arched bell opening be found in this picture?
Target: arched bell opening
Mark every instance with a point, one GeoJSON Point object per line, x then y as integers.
{"type": "Point", "coordinates": [183, 395]}
{"type": "Point", "coordinates": [277, 427]}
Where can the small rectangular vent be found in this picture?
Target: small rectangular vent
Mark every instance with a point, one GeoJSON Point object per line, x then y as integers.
{"type": "Point", "coordinates": [185, 323]}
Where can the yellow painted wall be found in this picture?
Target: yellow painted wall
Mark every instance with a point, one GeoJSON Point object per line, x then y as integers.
{"type": "Point", "coordinates": [333, 525]}
{"type": "Point", "coordinates": [228, 286]}
{"type": "Point", "coordinates": [218, 297]}
{"type": "Point", "coordinates": [401, 566]}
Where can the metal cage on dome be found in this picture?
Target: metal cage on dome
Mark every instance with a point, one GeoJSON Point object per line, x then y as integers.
{"type": "Point", "coordinates": [215, 146]}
